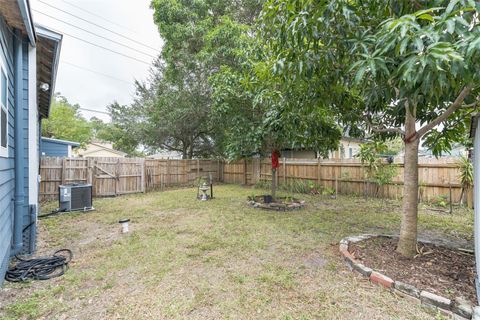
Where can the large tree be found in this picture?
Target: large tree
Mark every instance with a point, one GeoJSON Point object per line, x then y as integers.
{"type": "Point", "coordinates": [166, 115]}
{"type": "Point", "coordinates": [408, 68]}
{"type": "Point", "coordinates": [172, 110]}
{"type": "Point", "coordinates": [66, 122]}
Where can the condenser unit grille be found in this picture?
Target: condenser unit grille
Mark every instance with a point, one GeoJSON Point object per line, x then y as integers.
{"type": "Point", "coordinates": [81, 198]}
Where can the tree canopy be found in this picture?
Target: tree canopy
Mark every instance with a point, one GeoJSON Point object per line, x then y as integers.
{"type": "Point", "coordinates": [399, 68]}
{"type": "Point", "coordinates": [65, 122]}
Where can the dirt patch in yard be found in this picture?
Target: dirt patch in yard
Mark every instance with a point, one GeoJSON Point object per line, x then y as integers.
{"type": "Point", "coordinates": [443, 271]}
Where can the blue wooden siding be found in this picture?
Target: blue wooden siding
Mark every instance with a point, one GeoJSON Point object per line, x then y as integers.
{"type": "Point", "coordinates": [7, 175]}
{"type": "Point", "coordinates": [53, 149]}
{"type": "Point", "coordinates": [7, 164]}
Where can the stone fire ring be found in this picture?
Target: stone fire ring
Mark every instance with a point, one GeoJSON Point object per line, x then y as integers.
{"type": "Point", "coordinates": [446, 306]}
{"type": "Point", "coordinates": [296, 205]}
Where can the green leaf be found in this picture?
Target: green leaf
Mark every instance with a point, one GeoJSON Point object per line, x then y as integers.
{"type": "Point", "coordinates": [450, 26]}
{"type": "Point", "coordinates": [451, 6]}
{"type": "Point", "coordinates": [426, 16]}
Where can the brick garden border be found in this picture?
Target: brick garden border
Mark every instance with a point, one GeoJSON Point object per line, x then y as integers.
{"type": "Point", "coordinates": [455, 309]}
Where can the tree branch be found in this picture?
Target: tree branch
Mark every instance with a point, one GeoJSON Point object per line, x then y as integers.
{"type": "Point", "coordinates": [382, 128]}
{"type": "Point", "coordinates": [453, 107]}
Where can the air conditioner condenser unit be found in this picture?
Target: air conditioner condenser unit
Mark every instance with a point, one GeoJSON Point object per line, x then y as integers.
{"type": "Point", "coordinates": [75, 197]}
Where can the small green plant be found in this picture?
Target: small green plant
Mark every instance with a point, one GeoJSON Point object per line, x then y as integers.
{"type": "Point", "coordinates": [466, 176]}
{"type": "Point", "coordinates": [440, 201]}
{"type": "Point", "coordinates": [301, 186]}
{"type": "Point", "coordinates": [327, 191]}
{"type": "Point", "coordinates": [262, 184]}
{"type": "Point", "coordinates": [377, 170]}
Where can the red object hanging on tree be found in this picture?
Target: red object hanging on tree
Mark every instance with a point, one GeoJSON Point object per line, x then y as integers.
{"type": "Point", "coordinates": [275, 159]}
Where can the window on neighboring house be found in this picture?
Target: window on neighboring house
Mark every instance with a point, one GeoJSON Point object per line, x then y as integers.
{"type": "Point", "coordinates": [3, 114]}
{"type": "Point", "coordinates": [350, 153]}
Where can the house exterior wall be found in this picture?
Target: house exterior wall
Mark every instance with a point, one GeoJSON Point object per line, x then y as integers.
{"type": "Point", "coordinates": [7, 174]}
{"type": "Point", "coordinates": [103, 153]}
{"type": "Point", "coordinates": [7, 164]}
{"type": "Point", "coordinates": [348, 149]}
{"type": "Point", "coordinates": [298, 154]}
{"type": "Point", "coordinates": [99, 150]}
{"type": "Point", "coordinates": [53, 149]}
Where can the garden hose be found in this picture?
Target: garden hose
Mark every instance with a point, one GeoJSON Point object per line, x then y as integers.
{"type": "Point", "coordinates": [40, 268]}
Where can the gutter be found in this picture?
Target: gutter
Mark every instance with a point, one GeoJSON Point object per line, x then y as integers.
{"type": "Point", "coordinates": [19, 160]}
{"type": "Point", "coordinates": [26, 14]}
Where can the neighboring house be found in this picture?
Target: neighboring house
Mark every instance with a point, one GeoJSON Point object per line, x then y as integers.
{"type": "Point", "coordinates": [166, 155]}
{"type": "Point", "coordinates": [456, 152]}
{"type": "Point", "coordinates": [28, 62]}
{"type": "Point", "coordinates": [348, 148]}
{"type": "Point", "coordinates": [57, 148]}
{"type": "Point", "coordinates": [298, 154]}
{"type": "Point", "coordinates": [99, 149]}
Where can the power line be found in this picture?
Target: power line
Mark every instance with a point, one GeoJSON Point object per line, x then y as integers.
{"type": "Point", "coordinates": [97, 25]}
{"type": "Point", "coordinates": [97, 111]}
{"type": "Point", "coordinates": [93, 71]}
{"type": "Point", "coordinates": [98, 16]}
{"type": "Point", "coordinates": [95, 34]}
{"type": "Point", "coordinates": [102, 47]}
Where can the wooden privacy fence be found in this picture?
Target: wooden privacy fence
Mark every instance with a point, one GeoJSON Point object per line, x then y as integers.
{"type": "Point", "coordinates": [437, 178]}
{"type": "Point", "coordinates": [117, 176]}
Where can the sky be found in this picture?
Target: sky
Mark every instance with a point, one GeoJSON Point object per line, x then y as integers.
{"type": "Point", "coordinates": [131, 19]}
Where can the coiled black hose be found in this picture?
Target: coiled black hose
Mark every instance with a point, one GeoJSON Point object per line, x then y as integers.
{"type": "Point", "coordinates": [40, 268]}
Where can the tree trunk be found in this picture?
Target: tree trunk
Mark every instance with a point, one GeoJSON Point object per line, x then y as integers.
{"type": "Point", "coordinates": [274, 182]}
{"type": "Point", "coordinates": [184, 153]}
{"type": "Point", "coordinates": [190, 152]}
{"type": "Point", "coordinates": [408, 229]}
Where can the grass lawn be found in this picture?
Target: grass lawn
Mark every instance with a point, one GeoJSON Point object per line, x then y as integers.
{"type": "Point", "coordinates": [217, 260]}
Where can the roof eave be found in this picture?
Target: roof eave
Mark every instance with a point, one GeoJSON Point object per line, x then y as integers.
{"type": "Point", "coordinates": [60, 141]}
{"type": "Point", "coordinates": [57, 39]}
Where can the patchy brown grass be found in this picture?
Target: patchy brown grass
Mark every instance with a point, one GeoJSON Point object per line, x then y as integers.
{"type": "Point", "coordinates": [217, 260]}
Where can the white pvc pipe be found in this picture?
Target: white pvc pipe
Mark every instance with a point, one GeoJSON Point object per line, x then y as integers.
{"type": "Point", "coordinates": [476, 201]}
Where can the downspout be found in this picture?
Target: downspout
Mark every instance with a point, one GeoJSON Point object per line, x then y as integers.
{"type": "Point", "coordinates": [476, 200]}
{"type": "Point", "coordinates": [19, 144]}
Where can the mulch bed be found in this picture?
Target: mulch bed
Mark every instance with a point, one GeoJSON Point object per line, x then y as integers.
{"type": "Point", "coordinates": [443, 271]}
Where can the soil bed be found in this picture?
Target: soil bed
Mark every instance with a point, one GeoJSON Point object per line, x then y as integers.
{"type": "Point", "coordinates": [443, 271]}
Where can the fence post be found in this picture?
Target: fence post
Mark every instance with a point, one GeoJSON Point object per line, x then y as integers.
{"type": "Point", "coordinates": [319, 172]}
{"type": "Point", "coordinates": [198, 169]}
{"type": "Point", "coordinates": [94, 176]}
{"type": "Point", "coordinates": [245, 179]}
{"type": "Point", "coordinates": [184, 173]}
{"type": "Point", "coordinates": [284, 170]}
{"type": "Point", "coordinates": [64, 171]}
{"type": "Point", "coordinates": [117, 176]}
{"type": "Point", "coordinates": [142, 178]}
{"type": "Point", "coordinates": [336, 187]}
{"type": "Point", "coordinates": [89, 170]}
